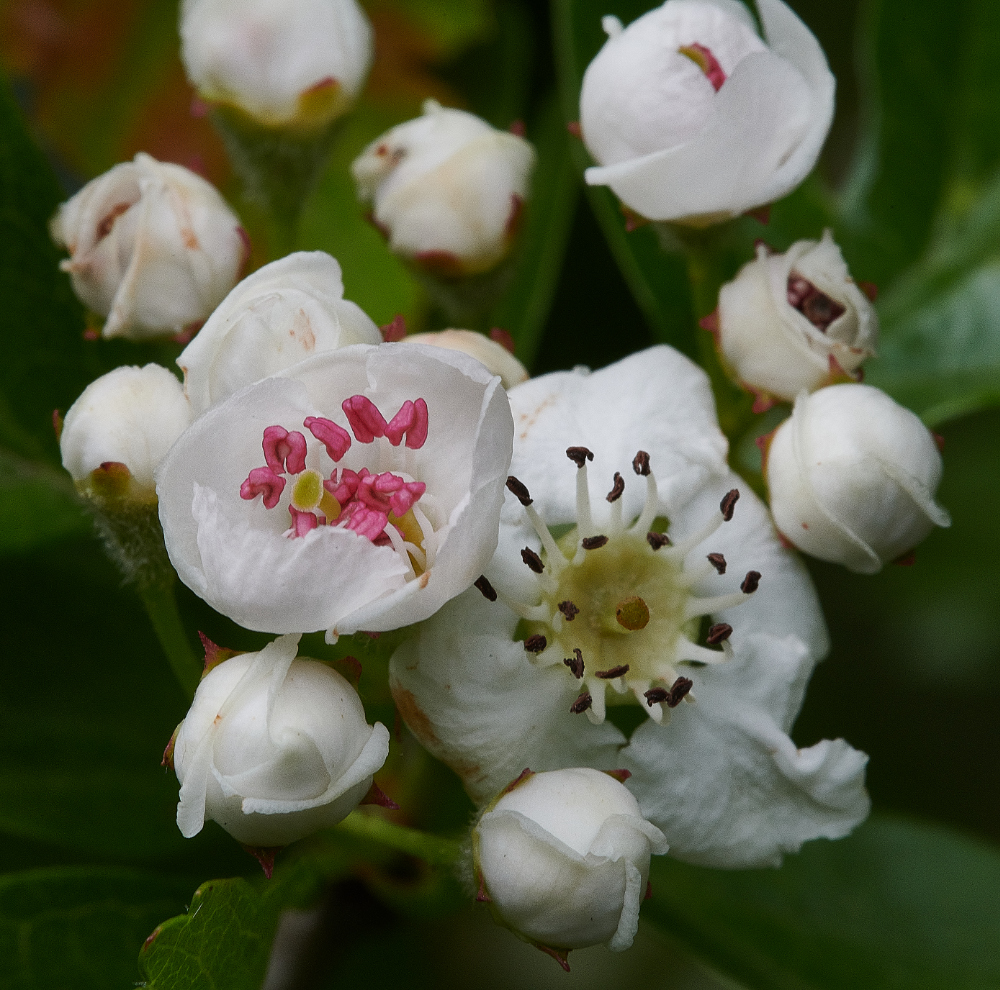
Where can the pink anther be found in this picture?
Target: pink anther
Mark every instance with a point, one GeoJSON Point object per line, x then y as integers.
{"type": "Point", "coordinates": [708, 63]}
{"type": "Point", "coordinates": [284, 451]}
{"type": "Point", "coordinates": [335, 438]}
{"type": "Point", "coordinates": [263, 481]}
{"type": "Point", "coordinates": [364, 521]}
{"type": "Point", "coordinates": [411, 420]}
{"type": "Point", "coordinates": [404, 500]}
{"type": "Point", "coordinates": [344, 488]}
{"type": "Point", "coordinates": [302, 522]}
{"type": "Point", "coordinates": [365, 419]}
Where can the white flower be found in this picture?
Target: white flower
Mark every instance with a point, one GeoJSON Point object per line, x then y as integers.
{"type": "Point", "coordinates": [274, 748]}
{"type": "Point", "coordinates": [602, 611]}
{"type": "Point", "coordinates": [563, 857]}
{"type": "Point", "coordinates": [492, 355]}
{"type": "Point", "coordinates": [691, 117]}
{"type": "Point", "coordinates": [447, 189]}
{"type": "Point", "coordinates": [298, 63]}
{"type": "Point", "coordinates": [284, 312]}
{"type": "Point", "coordinates": [796, 321]}
{"type": "Point", "coordinates": [153, 247]}
{"type": "Point", "coordinates": [119, 430]}
{"type": "Point", "coordinates": [359, 489]}
{"type": "Point", "coordinates": [852, 477]}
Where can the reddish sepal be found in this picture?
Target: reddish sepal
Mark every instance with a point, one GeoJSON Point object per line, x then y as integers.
{"type": "Point", "coordinates": [502, 337]}
{"type": "Point", "coordinates": [870, 289]}
{"type": "Point", "coordinates": [395, 329]}
{"type": "Point", "coordinates": [214, 655]}
{"type": "Point", "coordinates": [649, 890]}
{"type": "Point", "coordinates": [524, 775]}
{"type": "Point", "coordinates": [938, 441]}
{"type": "Point", "coordinates": [762, 214]}
{"type": "Point", "coordinates": [907, 560]}
{"type": "Point", "coordinates": [575, 129]}
{"type": "Point", "coordinates": [517, 128]}
{"type": "Point", "coordinates": [711, 323]}
{"type": "Point", "coordinates": [481, 895]}
{"type": "Point", "coordinates": [560, 955]}
{"type": "Point", "coordinates": [378, 797]}
{"type": "Point", "coordinates": [265, 856]}
{"type": "Point", "coordinates": [57, 423]}
{"type": "Point", "coordinates": [621, 775]}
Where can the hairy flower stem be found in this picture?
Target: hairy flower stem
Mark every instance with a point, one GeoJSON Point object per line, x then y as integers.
{"type": "Point", "coordinates": [434, 849]}
{"type": "Point", "coordinates": [161, 607]}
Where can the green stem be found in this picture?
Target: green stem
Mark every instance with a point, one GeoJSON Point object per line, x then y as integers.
{"type": "Point", "coordinates": [434, 849]}
{"type": "Point", "coordinates": [161, 607]}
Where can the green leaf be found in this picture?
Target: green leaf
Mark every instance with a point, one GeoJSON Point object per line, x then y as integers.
{"type": "Point", "coordinates": [526, 302]}
{"type": "Point", "coordinates": [77, 928]}
{"type": "Point", "coordinates": [896, 906]}
{"type": "Point", "coordinates": [45, 365]}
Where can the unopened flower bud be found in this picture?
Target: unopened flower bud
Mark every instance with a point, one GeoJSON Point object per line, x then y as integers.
{"type": "Point", "coordinates": [563, 857]}
{"type": "Point", "coordinates": [497, 359]}
{"type": "Point", "coordinates": [119, 429]}
{"type": "Point", "coordinates": [852, 477]}
{"type": "Point", "coordinates": [447, 189]}
{"type": "Point", "coordinates": [283, 63]}
{"type": "Point", "coordinates": [153, 247]}
{"type": "Point", "coordinates": [692, 117]}
{"type": "Point", "coordinates": [274, 748]}
{"type": "Point", "coordinates": [284, 312]}
{"type": "Point", "coordinates": [793, 322]}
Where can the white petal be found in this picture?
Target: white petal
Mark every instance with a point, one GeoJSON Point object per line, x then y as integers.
{"type": "Point", "coordinates": [726, 785]}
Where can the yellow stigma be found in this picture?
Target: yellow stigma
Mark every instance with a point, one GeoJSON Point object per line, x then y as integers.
{"type": "Point", "coordinates": [308, 491]}
{"type": "Point", "coordinates": [632, 613]}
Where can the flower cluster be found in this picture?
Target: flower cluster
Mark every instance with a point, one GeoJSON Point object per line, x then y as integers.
{"type": "Point", "coordinates": [600, 627]}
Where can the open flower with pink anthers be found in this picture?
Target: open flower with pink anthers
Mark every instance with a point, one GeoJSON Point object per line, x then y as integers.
{"type": "Point", "coordinates": [359, 489]}
{"type": "Point", "coordinates": [634, 568]}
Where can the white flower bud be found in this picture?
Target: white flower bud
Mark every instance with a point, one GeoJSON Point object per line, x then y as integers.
{"type": "Point", "coordinates": [284, 312]}
{"type": "Point", "coordinates": [119, 429]}
{"type": "Point", "coordinates": [153, 247]}
{"type": "Point", "coordinates": [274, 748]}
{"type": "Point", "coordinates": [793, 322]}
{"type": "Point", "coordinates": [692, 117]}
{"type": "Point", "coordinates": [563, 857]}
{"type": "Point", "coordinates": [446, 189]}
{"type": "Point", "coordinates": [852, 477]}
{"type": "Point", "coordinates": [494, 356]}
{"type": "Point", "coordinates": [298, 63]}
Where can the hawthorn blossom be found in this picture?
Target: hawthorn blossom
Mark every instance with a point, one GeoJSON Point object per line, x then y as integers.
{"type": "Point", "coordinates": [446, 189]}
{"type": "Point", "coordinates": [852, 477]}
{"type": "Point", "coordinates": [671, 592]}
{"type": "Point", "coordinates": [273, 748]}
{"type": "Point", "coordinates": [284, 63]}
{"type": "Point", "coordinates": [795, 321]}
{"type": "Point", "coordinates": [692, 117]}
{"type": "Point", "coordinates": [358, 489]}
{"type": "Point", "coordinates": [563, 859]}
{"type": "Point", "coordinates": [282, 313]}
{"type": "Point", "coordinates": [153, 247]}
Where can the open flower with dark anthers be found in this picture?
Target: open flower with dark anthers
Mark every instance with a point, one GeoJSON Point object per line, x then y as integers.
{"type": "Point", "coordinates": [359, 489]}
{"type": "Point", "coordinates": [283, 63]}
{"type": "Point", "coordinates": [274, 747]}
{"type": "Point", "coordinates": [852, 477]}
{"type": "Point", "coordinates": [153, 247]}
{"type": "Point", "coordinates": [637, 570]}
{"type": "Point", "coordinates": [693, 117]}
{"type": "Point", "coordinates": [562, 858]}
{"type": "Point", "coordinates": [793, 322]}
{"type": "Point", "coordinates": [276, 317]}
{"type": "Point", "coordinates": [446, 189]}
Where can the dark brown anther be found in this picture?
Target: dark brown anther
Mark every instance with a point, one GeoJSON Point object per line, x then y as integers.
{"type": "Point", "coordinates": [640, 463]}
{"type": "Point", "coordinates": [728, 504]}
{"type": "Point", "coordinates": [579, 455]}
{"type": "Point", "coordinates": [718, 633]}
{"type": "Point", "coordinates": [657, 540]}
{"type": "Point", "coordinates": [609, 675]}
{"type": "Point", "coordinates": [483, 584]}
{"type": "Point", "coordinates": [655, 695]}
{"type": "Point", "coordinates": [718, 562]}
{"type": "Point", "coordinates": [575, 664]}
{"type": "Point", "coordinates": [750, 582]}
{"type": "Point", "coordinates": [518, 491]}
{"type": "Point", "coordinates": [817, 307]}
{"type": "Point", "coordinates": [678, 690]}
{"type": "Point", "coordinates": [582, 703]}
{"type": "Point", "coordinates": [617, 488]}
{"type": "Point", "coordinates": [569, 610]}
{"type": "Point", "coordinates": [593, 542]}
{"type": "Point", "coordinates": [536, 643]}
{"type": "Point", "coordinates": [532, 559]}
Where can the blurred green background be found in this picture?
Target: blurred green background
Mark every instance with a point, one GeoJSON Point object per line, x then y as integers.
{"type": "Point", "coordinates": [909, 181]}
